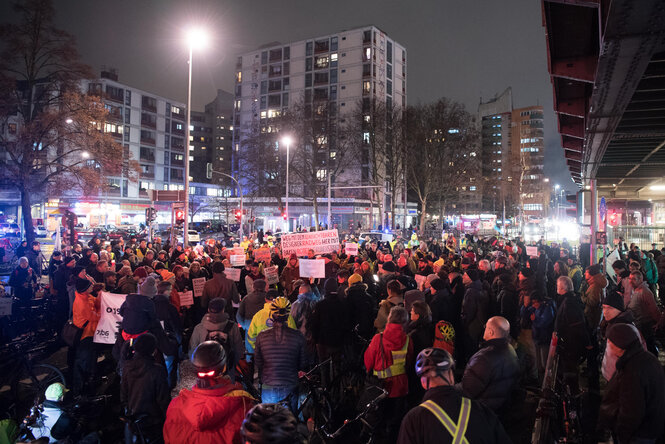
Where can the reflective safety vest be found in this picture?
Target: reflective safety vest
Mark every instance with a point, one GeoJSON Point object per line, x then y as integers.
{"type": "Point", "coordinates": [456, 430]}
{"type": "Point", "coordinates": [399, 363]}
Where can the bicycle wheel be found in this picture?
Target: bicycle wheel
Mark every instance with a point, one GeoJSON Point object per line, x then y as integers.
{"type": "Point", "coordinates": [345, 390]}
{"type": "Point", "coordinates": [32, 381]}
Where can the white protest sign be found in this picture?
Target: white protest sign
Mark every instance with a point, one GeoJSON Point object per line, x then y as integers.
{"type": "Point", "coordinates": [420, 280]}
{"type": "Point", "coordinates": [233, 274]}
{"type": "Point", "coordinates": [609, 260]}
{"type": "Point", "coordinates": [321, 242]}
{"type": "Point", "coordinates": [532, 251]}
{"type": "Point", "coordinates": [351, 248]}
{"type": "Point", "coordinates": [186, 298]}
{"type": "Point", "coordinates": [237, 260]}
{"type": "Point", "coordinates": [5, 306]}
{"type": "Point", "coordinates": [313, 268]}
{"type": "Point", "coordinates": [198, 285]}
{"type": "Point", "coordinates": [272, 275]}
{"type": "Point", "coordinates": [107, 327]}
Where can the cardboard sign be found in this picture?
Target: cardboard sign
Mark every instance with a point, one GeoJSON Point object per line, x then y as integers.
{"type": "Point", "coordinates": [262, 254]}
{"type": "Point", "coordinates": [272, 275]}
{"type": "Point", "coordinates": [351, 248]}
{"type": "Point", "coordinates": [321, 242]}
{"type": "Point", "coordinates": [532, 251]}
{"type": "Point", "coordinates": [5, 306]}
{"type": "Point", "coordinates": [233, 274]}
{"type": "Point", "coordinates": [236, 250]}
{"type": "Point", "coordinates": [315, 268]}
{"type": "Point", "coordinates": [186, 298]}
{"type": "Point", "coordinates": [198, 285]}
{"type": "Point", "coordinates": [420, 280]}
{"type": "Point", "coordinates": [107, 327]}
{"type": "Point", "coordinates": [237, 260]}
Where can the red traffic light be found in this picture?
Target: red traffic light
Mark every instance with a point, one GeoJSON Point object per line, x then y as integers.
{"type": "Point", "coordinates": [284, 216]}
{"type": "Point", "coordinates": [179, 216]}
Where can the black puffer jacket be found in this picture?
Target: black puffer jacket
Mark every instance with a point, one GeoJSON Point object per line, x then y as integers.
{"type": "Point", "coordinates": [362, 309]}
{"type": "Point", "coordinates": [634, 402]}
{"type": "Point", "coordinates": [444, 307]}
{"type": "Point", "coordinates": [475, 308]}
{"type": "Point", "coordinates": [492, 374]}
{"type": "Point", "coordinates": [570, 326]}
{"type": "Point", "coordinates": [329, 322]}
{"type": "Point", "coordinates": [508, 306]}
{"type": "Point", "coordinates": [145, 389]}
{"type": "Point", "coordinates": [279, 355]}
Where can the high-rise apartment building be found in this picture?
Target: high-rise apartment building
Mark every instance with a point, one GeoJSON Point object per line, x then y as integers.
{"type": "Point", "coordinates": [339, 71]}
{"type": "Point", "coordinates": [220, 112]}
{"type": "Point", "coordinates": [512, 158]}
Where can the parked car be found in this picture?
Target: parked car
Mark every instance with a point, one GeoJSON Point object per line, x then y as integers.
{"type": "Point", "coordinates": [41, 231]}
{"type": "Point", "coordinates": [193, 237]}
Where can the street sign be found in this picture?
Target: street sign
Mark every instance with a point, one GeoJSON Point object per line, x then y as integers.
{"type": "Point", "coordinates": [602, 209]}
{"type": "Point", "coordinates": [167, 195]}
{"type": "Point", "coordinates": [601, 238]}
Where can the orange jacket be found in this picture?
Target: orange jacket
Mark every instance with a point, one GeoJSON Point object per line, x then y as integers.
{"type": "Point", "coordinates": [86, 308]}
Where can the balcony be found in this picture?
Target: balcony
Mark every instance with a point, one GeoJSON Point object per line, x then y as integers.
{"type": "Point", "coordinates": [149, 104]}
{"type": "Point", "coordinates": [178, 115]}
{"type": "Point", "coordinates": [115, 97]}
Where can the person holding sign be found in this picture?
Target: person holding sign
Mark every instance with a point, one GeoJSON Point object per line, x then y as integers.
{"type": "Point", "coordinates": [85, 316]}
{"type": "Point", "coordinates": [290, 274]}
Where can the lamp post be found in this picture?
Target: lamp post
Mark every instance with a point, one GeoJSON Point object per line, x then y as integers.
{"type": "Point", "coordinates": [286, 140]}
{"type": "Point", "coordinates": [239, 194]}
{"type": "Point", "coordinates": [194, 37]}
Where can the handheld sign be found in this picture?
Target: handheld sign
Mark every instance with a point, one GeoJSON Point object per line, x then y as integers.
{"type": "Point", "coordinates": [107, 327]}
{"type": "Point", "coordinates": [532, 251]}
{"type": "Point", "coordinates": [312, 268]}
{"type": "Point", "coordinates": [262, 254]}
{"type": "Point", "coordinates": [233, 274]}
{"type": "Point", "coordinates": [420, 280]}
{"type": "Point", "coordinates": [237, 260]}
{"type": "Point", "coordinates": [321, 242]}
{"type": "Point", "coordinates": [198, 285]}
{"type": "Point", "coordinates": [186, 298]}
{"type": "Point", "coordinates": [351, 248]}
{"type": "Point", "coordinates": [272, 276]}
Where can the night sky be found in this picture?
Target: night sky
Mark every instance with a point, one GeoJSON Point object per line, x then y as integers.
{"type": "Point", "coordinates": [465, 50]}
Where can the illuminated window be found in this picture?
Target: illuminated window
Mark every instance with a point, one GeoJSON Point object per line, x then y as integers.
{"type": "Point", "coordinates": [239, 76]}
{"type": "Point", "coordinates": [366, 137]}
{"type": "Point", "coordinates": [367, 86]}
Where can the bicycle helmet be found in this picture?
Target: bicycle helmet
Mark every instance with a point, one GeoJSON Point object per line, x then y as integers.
{"type": "Point", "coordinates": [209, 358]}
{"type": "Point", "coordinates": [280, 308]}
{"type": "Point", "coordinates": [270, 424]}
{"type": "Point", "coordinates": [435, 359]}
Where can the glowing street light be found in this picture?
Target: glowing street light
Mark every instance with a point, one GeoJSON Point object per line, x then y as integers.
{"type": "Point", "coordinates": [196, 38]}
{"type": "Point", "coordinates": [85, 155]}
{"type": "Point", "coordinates": [286, 140]}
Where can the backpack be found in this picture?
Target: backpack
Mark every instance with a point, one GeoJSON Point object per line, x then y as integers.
{"type": "Point", "coordinates": [444, 336]}
{"type": "Point", "coordinates": [222, 336]}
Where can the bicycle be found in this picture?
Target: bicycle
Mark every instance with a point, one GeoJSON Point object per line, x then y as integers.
{"type": "Point", "coordinates": [359, 429]}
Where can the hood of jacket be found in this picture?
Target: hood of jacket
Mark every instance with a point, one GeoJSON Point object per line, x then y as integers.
{"type": "Point", "coordinates": [216, 321]}
{"type": "Point", "coordinates": [138, 366]}
{"type": "Point", "coordinates": [198, 409]}
{"type": "Point", "coordinates": [394, 337]}
{"type": "Point", "coordinates": [307, 297]}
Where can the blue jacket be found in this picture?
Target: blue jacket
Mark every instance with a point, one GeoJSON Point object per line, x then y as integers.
{"type": "Point", "coordinates": [543, 323]}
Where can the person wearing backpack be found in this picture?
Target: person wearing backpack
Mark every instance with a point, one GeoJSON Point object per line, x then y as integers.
{"type": "Point", "coordinates": [216, 326]}
{"type": "Point", "coordinates": [541, 312]}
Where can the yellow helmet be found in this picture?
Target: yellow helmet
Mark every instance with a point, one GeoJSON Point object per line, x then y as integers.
{"type": "Point", "coordinates": [280, 308]}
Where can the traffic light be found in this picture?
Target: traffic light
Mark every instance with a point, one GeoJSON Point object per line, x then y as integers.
{"type": "Point", "coordinates": [150, 215]}
{"type": "Point", "coordinates": [238, 216]}
{"type": "Point", "coordinates": [179, 217]}
{"type": "Point", "coordinates": [284, 216]}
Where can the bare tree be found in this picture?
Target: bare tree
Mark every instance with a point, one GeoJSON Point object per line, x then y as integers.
{"type": "Point", "coordinates": [52, 137]}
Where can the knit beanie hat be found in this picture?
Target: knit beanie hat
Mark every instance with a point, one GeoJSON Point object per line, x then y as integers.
{"type": "Point", "coordinates": [259, 285]}
{"type": "Point", "coordinates": [389, 267]}
{"type": "Point", "coordinates": [330, 286]}
{"type": "Point", "coordinates": [355, 278]}
{"type": "Point", "coordinates": [216, 305]}
{"type": "Point", "coordinates": [148, 287]}
{"type": "Point", "coordinates": [438, 284]}
{"type": "Point", "coordinates": [82, 284]}
{"type": "Point", "coordinates": [623, 335]}
{"type": "Point", "coordinates": [614, 299]}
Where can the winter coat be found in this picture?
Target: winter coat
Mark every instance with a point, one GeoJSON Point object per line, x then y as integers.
{"type": "Point", "coordinates": [21, 280]}
{"type": "Point", "coordinates": [384, 310]}
{"type": "Point", "coordinates": [362, 309]}
{"type": "Point", "coordinates": [330, 323]}
{"type": "Point", "coordinates": [261, 321]}
{"type": "Point", "coordinates": [570, 326]}
{"type": "Point", "coordinates": [422, 427]}
{"type": "Point", "coordinates": [576, 274]}
{"type": "Point", "coordinates": [220, 287]}
{"type": "Point", "coordinates": [443, 307]}
{"type": "Point", "coordinates": [645, 311]}
{"type": "Point", "coordinates": [210, 323]}
{"type": "Point", "coordinates": [592, 298]}
{"type": "Point", "coordinates": [85, 309]}
{"type": "Point", "coordinates": [543, 322]}
{"type": "Point", "coordinates": [475, 308]}
{"type": "Point", "coordinates": [144, 388]}
{"type": "Point", "coordinates": [279, 355]}
{"type": "Point", "coordinates": [302, 309]}
{"type": "Point", "coordinates": [634, 402]}
{"type": "Point", "coordinates": [249, 306]}
{"type": "Point", "coordinates": [207, 416]}
{"type": "Point", "coordinates": [138, 314]}
{"type": "Point", "coordinates": [421, 333]}
{"type": "Point", "coordinates": [393, 339]}
{"type": "Point", "coordinates": [127, 285]}
{"type": "Point", "coordinates": [507, 302]}
{"type": "Point", "coordinates": [492, 374]}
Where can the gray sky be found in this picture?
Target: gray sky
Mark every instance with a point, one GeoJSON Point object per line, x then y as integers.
{"type": "Point", "coordinates": [462, 49]}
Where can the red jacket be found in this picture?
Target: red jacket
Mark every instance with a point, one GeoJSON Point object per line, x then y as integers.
{"type": "Point", "coordinates": [393, 340]}
{"type": "Point", "coordinates": [199, 416]}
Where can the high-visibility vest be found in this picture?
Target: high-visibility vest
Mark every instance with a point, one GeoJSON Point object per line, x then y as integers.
{"type": "Point", "coordinates": [398, 366]}
{"type": "Point", "coordinates": [457, 430]}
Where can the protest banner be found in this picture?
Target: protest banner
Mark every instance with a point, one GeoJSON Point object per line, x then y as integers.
{"type": "Point", "coordinates": [186, 298]}
{"type": "Point", "coordinates": [313, 268]}
{"type": "Point", "coordinates": [237, 260]}
{"type": "Point", "coordinates": [532, 251]}
{"type": "Point", "coordinates": [321, 242]}
{"type": "Point", "coordinates": [420, 280]}
{"type": "Point", "coordinates": [233, 274]}
{"type": "Point", "coordinates": [236, 250]}
{"type": "Point", "coordinates": [198, 285]}
{"type": "Point", "coordinates": [272, 276]}
{"type": "Point", "coordinates": [351, 248]}
{"type": "Point", "coordinates": [262, 254]}
{"type": "Point", "coordinates": [5, 306]}
{"type": "Point", "coordinates": [109, 322]}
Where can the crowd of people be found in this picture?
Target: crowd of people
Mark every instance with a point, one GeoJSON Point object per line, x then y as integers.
{"type": "Point", "coordinates": [456, 333]}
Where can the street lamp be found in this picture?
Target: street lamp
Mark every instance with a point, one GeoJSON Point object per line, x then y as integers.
{"type": "Point", "coordinates": [286, 140]}
{"type": "Point", "coordinates": [196, 37]}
